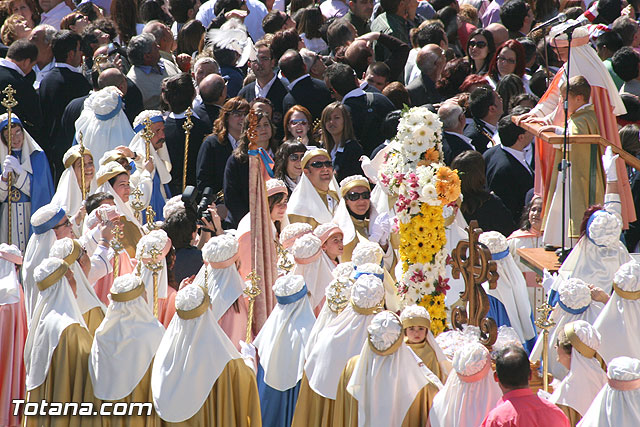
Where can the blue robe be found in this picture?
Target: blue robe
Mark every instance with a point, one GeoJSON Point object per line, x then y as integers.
{"type": "Point", "coordinates": [157, 201]}
{"type": "Point", "coordinates": [277, 406]}
{"type": "Point", "coordinates": [498, 313]}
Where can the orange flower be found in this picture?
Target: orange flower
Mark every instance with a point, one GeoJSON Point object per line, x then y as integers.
{"type": "Point", "coordinates": [447, 185]}
{"type": "Point", "coordinates": [430, 156]}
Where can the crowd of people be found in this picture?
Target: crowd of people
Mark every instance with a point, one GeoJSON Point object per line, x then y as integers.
{"type": "Point", "coordinates": [127, 130]}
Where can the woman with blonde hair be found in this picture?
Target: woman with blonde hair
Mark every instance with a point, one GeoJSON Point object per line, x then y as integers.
{"type": "Point", "coordinates": [339, 140]}
{"type": "Point", "coordinates": [14, 28]}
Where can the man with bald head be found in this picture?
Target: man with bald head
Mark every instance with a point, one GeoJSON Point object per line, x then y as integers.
{"type": "Point", "coordinates": [164, 38]}
{"type": "Point", "coordinates": [430, 61]}
{"type": "Point", "coordinates": [213, 92]}
{"type": "Point", "coordinates": [359, 55]}
{"type": "Point", "coordinates": [304, 90]}
{"type": "Point", "coordinates": [42, 36]}
{"type": "Point", "coordinates": [499, 32]}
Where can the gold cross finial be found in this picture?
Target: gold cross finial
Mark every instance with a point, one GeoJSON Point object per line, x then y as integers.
{"type": "Point", "coordinates": [9, 101]}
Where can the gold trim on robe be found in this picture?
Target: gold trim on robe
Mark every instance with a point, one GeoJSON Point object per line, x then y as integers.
{"type": "Point", "coordinates": [345, 412]}
{"type": "Point", "coordinates": [312, 410]}
{"type": "Point", "coordinates": [424, 351]}
{"type": "Point", "coordinates": [305, 219]}
{"type": "Point", "coordinates": [66, 380]}
{"type": "Point", "coordinates": [232, 402]}
{"type": "Point", "coordinates": [93, 318]}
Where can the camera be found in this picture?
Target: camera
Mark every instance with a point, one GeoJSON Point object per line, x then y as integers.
{"type": "Point", "coordinates": [190, 197]}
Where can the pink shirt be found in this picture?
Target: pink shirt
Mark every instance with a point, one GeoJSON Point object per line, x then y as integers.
{"type": "Point", "coordinates": [520, 408]}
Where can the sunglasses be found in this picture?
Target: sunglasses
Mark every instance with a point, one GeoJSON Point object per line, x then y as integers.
{"type": "Point", "coordinates": [67, 223]}
{"type": "Point", "coordinates": [295, 157]}
{"type": "Point", "coordinates": [352, 196]}
{"type": "Point", "coordinates": [320, 165]}
{"type": "Point", "coordinates": [479, 44]}
{"type": "Point", "coordinates": [507, 60]}
{"type": "Point", "coordinates": [295, 122]}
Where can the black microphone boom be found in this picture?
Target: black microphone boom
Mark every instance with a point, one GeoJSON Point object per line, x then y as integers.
{"type": "Point", "coordinates": [558, 19]}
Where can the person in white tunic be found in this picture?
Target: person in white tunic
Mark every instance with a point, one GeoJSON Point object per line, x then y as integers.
{"type": "Point", "coordinates": [618, 403]}
{"type": "Point", "coordinates": [313, 266]}
{"type": "Point", "coordinates": [470, 391]}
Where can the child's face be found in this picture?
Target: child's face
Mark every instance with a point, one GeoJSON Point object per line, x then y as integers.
{"type": "Point", "coordinates": [416, 334]}
{"type": "Point", "coordinates": [575, 102]}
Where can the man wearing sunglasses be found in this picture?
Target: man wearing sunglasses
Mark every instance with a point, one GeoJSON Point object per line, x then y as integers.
{"type": "Point", "coordinates": [313, 201]}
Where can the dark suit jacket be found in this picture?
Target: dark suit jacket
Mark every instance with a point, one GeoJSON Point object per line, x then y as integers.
{"type": "Point", "coordinates": [276, 95]}
{"type": "Point", "coordinates": [632, 235]}
{"type": "Point", "coordinates": [367, 115]}
{"type": "Point", "coordinates": [492, 215]}
{"type": "Point", "coordinates": [132, 101]}
{"type": "Point", "coordinates": [479, 134]}
{"type": "Point", "coordinates": [508, 179]}
{"type": "Point", "coordinates": [212, 159]}
{"type": "Point", "coordinates": [452, 145]}
{"type": "Point", "coordinates": [58, 87]}
{"type": "Point", "coordinates": [28, 108]}
{"type": "Point", "coordinates": [174, 138]}
{"type": "Point", "coordinates": [347, 160]}
{"type": "Point", "coordinates": [310, 93]}
{"type": "Point", "coordinates": [236, 189]}
{"type": "Point", "coordinates": [207, 113]}
{"type": "Point", "coordinates": [422, 90]}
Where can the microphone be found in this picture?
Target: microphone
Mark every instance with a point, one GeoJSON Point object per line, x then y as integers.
{"type": "Point", "coordinates": [559, 18]}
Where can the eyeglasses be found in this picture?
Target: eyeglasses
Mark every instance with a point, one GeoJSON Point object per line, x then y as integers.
{"type": "Point", "coordinates": [295, 157]}
{"type": "Point", "coordinates": [507, 60]}
{"type": "Point", "coordinates": [296, 122]}
{"type": "Point", "coordinates": [352, 196]}
{"type": "Point", "coordinates": [320, 165]}
{"type": "Point", "coordinates": [479, 44]}
{"type": "Point", "coordinates": [67, 223]}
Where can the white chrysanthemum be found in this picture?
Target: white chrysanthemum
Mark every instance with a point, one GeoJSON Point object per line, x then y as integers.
{"type": "Point", "coordinates": [338, 293]}
{"type": "Point", "coordinates": [367, 252]}
{"type": "Point", "coordinates": [44, 214]}
{"type": "Point", "coordinates": [10, 249]}
{"type": "Point", "coordinates": [293, 231]}
{"type": "Point", "coordinates": [173, 205]}
{"type": "Point", "coordinates": [470, 359]}
{"type": "Point", "coordinates": [367, 291]}
{"type": "Point", "coordinates": [46, 268]}
{"type": "Point", "coordinates": [125, 283]}
{"type": "Point", "coordinates": [587, 334]}
{"type": "Point", "coordinates": [155, 240]}
{"type": "Point", "coordinates": [189, 297]}
{"type": "Point", "coordinates": [369, 268]}
{"type": "Point", "coordinates": [288, 285]}
{"type": "Point", "coordinates": [627, 276]}
{"type": "Point", "coordinates": [384, 330]}
{"type": "Point", "coordinates": [494, 240]}
{"type": "Point", "coordinates": [146, 114]}
{"type": "Point", "coordinates": [604, 228]}
{"type": "Point", "coordinates": [343, 270]}
{"type": "Point", "coordinates": [306, 246]}
{"type": "Point", "coordinates": [220, 248]}
{"type": "Point", "coordinates": [413, 311]}
{"type": "Point", "coordinates": [61, 248]}
{"type": "Point", "coordinates": [624, 368]}
{"type": "Point", "coordinates": [103, 101]}
{"type": "Point", "coordinates": [574, 293]}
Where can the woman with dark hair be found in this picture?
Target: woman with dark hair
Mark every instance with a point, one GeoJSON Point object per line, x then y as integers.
{"type": "Point", "coordinates": [452, 77]}
{"type": "Point", "coordinates": [509, 87]}
{"type": "Point", "coordinates": [472, 82]}
{"type": "Point", "coordinates": [189, 37]}
{"type": "Point", "coordinates": [340, 142]}
{"type": "Point", "coordinates": [217, 147]}
{"type": "Point", "coordinates": [124, 14]}
{"type": "Point", "coordinates": [298, 126]}
{"type": "Point", "coordinates": [508, 59]}
{"type": "Point", "coordinates": [75, 21]}
{"type": "Point", "coordinates": [284, 40]}
{"type": "Point", "coordinates": [480, 50]}
{"type": "Point", "coordinates": [236, 172]}
{"type": "Point", "coordinates": [477, 202]}
{"type": "Point", "coordinates": [27, 8]}
{"type": "Point", "coordinates": [529, 235]}
{"type": "Point", "coordinates": [151, 10]}
{"type": "Point", "coordinates": [288, 166]}
{"type": "Point", "coordinates": [308, 27]}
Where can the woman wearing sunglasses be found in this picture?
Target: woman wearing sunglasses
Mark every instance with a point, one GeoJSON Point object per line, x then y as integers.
{"type": "Point", "coordinates": [298, 126]}
{"type": "Point", "coordinates": [358, 218]}
{"type": "Point", "coordinates": [339, 140]}
{"type": "Point", "coordinates": [480, 50]}
{"type": "Point", "coordinates": [288, 163]}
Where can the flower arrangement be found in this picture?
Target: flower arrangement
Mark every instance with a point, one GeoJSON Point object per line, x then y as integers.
{"type": "Point", "coordinates": [413, 173]}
